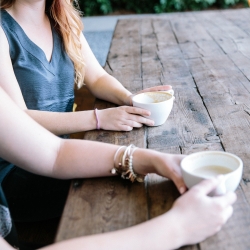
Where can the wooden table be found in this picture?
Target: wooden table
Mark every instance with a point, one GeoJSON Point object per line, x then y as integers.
{"type": "Point", "coordinates": [205, 56]}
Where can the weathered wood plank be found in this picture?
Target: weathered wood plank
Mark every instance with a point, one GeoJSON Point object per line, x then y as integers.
{"type": "Point", "coordinates": [188, 123]}
{"type": "Point", "coordinates": [217, 26]}
{"type": "Point", "coordinates": [242, 58]}
{"type": "Point", "coordinates": [193, 148]}
{"type": "Point", "coordinates": [163, 31]}
{"type": "Point", "coordinates": [200, 49]}
{"type": "Point", "coordinates": [187, 29]}
{"type": "Point", "coordinates": [158, 36]}
{"type": "Point", "coordinates": [240, 18]}
{"type": "Point", "coordinates": [189, 120]}
{"type": "Point", "coordinates": [124, 61]}
{"type": "Point", "coordinates": [162, 63]}
{"type": "Point", "coordinates": [83, 215]}
{"type": "Point", "coordinates": [218, 77]}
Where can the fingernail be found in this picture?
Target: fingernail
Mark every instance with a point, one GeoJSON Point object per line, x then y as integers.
{"type": "Point", "coordinates": [182, 190]}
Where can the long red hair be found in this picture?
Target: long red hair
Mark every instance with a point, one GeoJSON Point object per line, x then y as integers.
{"type": "Point", "coordinates": [67, 22]}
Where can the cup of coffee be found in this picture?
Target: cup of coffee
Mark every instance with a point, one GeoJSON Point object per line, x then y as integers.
{"type": "Point", "coordinates": [208, 164]}
{"type": "Point", "coordinates": [159, 103]}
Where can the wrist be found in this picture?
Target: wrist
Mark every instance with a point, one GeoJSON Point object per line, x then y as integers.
{"type": "Point", "coordinates": [144, 161]}
{"type": "Point", "coordinates": [127, 100]}
{"type": "Point", "coordinates": [177, 233]}
{"type": "Point", "coordinates": [124, 165]}
{"type": "Point", "coordinates": [162, 232]}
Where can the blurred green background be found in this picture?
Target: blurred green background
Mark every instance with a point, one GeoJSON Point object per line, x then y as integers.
{"type": "Point", "coordinates": [107, 7]}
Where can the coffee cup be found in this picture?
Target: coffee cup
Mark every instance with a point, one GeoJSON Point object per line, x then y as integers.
{"type": "Point", "coordinates": [159, 103]}
{"type": "Point", "coordinates": [208, 164]}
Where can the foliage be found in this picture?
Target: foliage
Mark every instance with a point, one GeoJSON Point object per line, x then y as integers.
{"type": "Point", "coordinates": [104, 7]}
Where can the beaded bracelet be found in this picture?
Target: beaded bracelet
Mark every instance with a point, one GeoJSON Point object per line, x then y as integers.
{"type": "Point", "coordinates": [97, 120]}
{"type": "Point", "coordinates": [125, 166]}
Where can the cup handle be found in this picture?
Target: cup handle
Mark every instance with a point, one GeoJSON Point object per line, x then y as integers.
{"type": "Point", "coordinates": [221, 188]}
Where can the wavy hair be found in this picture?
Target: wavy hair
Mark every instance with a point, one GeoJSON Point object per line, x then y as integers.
{"type": "Point", "coordinates": [67, 21]}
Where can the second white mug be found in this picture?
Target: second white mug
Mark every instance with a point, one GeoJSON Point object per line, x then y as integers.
{"type": "Point", "coordinates": [159, 103]}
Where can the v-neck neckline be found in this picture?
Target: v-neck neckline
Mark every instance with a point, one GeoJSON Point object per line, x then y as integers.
{"type": "Point", "coordinates": [32, 47]}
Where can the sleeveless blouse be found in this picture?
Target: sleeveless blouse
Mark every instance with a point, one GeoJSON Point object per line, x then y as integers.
{"type": "Point", "coordinates": [45, 85]}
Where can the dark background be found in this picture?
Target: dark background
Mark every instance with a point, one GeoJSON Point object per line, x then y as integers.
{"type": "Point", "coordinates": [112, 7]}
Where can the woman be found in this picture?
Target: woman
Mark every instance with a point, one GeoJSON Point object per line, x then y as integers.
{"type": "Point", "coordinates": [43, 54]}
{"type": "Point", "coordinates": [198, 215]}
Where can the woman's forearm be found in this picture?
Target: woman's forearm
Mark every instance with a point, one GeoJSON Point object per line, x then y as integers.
{"type": "Point", "coordinates": [99, 82]}
{"type": "Point", "coordinates": [110, 89]}
{"type": "Point", "coordinates": [158, 234]}
{"type": "Point", "coordinates": [60, 123]}
{"type": "Point", "coordinates": [81, 158]}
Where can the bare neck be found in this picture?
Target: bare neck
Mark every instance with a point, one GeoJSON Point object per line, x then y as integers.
{"type": "Point", "coordinates": [28, 12]}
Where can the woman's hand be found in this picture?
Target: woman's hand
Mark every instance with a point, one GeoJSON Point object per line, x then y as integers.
{"type": "Point", "coordinates": [123, 118]}
{"type": "Point", "coordinates": [129, 101]}
{"type": "Point", "coordinates": [167, 165]}
{"type": "Point", "coordinates": [200, 216]}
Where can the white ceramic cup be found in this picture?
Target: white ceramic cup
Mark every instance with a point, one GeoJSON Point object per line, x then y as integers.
{"type": "Point", "coordinates": [207, 164]}
{"type": "Point", "coordinates": [159, 103]}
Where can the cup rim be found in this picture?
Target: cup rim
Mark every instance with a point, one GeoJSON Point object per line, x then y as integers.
{"type": "Point", "coordinates": [185, 169]}
{"type": "Point", "coordinates": [152, 103]}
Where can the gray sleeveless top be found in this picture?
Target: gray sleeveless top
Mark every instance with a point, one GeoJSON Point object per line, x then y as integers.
{"type": "Point", "coordinates": [47, 86]}
{"type": "Point", "coordinates": [44, 85]}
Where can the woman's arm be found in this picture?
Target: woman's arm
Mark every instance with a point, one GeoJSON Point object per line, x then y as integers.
{"type": "Point", "coordinates": [99, 82]}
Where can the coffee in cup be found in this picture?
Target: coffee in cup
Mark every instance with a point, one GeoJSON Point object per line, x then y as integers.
{"type": "Point", "coordinates": [211, 171]}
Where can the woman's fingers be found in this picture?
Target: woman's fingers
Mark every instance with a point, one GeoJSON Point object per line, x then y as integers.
{"type": "Point", "coordinates": [124, 118]}
{"type": "Point", "coordinates": [179, 183]}
{"type": "Point", "coordinates": [226, 200]}
{"type": "Point", "coordinates": [157, 88]}
{"type": "Point", "coordinates": [125, 128]}
{"type": "Point", "coordinates": [136, 111]}
{"type": "Point", "coordinates": [136, 116]}
{"type": "Point", "coordinates": [207, 186]}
